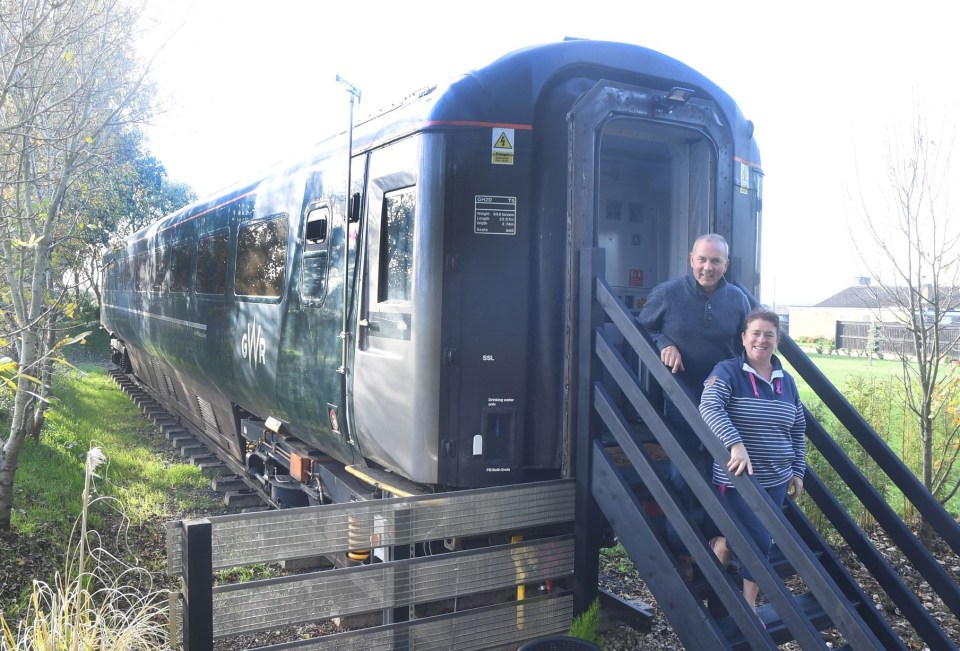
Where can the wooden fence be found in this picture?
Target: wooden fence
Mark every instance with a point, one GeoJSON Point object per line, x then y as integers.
{"type": "Point", "coordinates": [395, 589]}
{"type": "Point", "coordinates": [890, 338]}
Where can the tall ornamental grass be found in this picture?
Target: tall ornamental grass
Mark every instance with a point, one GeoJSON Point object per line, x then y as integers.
{"type": "Point", "coordinates": [97, 602]}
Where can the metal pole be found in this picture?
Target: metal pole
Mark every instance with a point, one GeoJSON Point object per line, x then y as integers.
{"type": "Point", "coordinates": [344, 334]}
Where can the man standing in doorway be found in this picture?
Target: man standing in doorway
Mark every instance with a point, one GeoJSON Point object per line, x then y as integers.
{"type": "Point", "coordinates": [695, 322]}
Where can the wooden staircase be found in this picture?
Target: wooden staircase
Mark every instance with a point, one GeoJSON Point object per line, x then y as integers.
{"type": "Point", "coordinates": [619, 430]}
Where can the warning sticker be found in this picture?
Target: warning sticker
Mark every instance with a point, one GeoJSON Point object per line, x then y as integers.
{"type": "Point", "coordinates": [502, 146]}
{"type": "Point", "coordinates": [494, 215]}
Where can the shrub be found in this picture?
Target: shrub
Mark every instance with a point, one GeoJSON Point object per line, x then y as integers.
{"type": "Point", "coordinates": [875, 399]}
{"type": "Point", "coordinates": [585, 625]}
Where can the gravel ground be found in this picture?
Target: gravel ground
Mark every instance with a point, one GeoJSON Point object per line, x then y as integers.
{"type": "Point", "coordinates": [24, 557]}
{"type": "Point", "coordinates": [661, 636]}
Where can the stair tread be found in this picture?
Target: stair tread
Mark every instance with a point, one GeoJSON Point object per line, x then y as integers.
{"type": "Point", "coordinates": [809, 606]}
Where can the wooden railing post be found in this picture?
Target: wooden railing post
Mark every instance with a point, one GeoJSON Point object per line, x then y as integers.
{"type": "Point", "coordinates": [589, 520]}
{"type": "Point", "coordinates": [197, 585]}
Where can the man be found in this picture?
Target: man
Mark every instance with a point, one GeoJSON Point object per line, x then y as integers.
{"type": "Point", "coordinates": [695, 322]}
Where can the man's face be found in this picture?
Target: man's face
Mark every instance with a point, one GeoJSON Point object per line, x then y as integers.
{"type": "Point", "coordinates": [709, 262]}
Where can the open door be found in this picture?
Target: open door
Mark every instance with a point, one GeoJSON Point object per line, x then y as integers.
{"type": "Point", "coordinates": [643, 185]}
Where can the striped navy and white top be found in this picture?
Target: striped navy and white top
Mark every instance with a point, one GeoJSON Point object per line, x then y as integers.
{"type": "Point", "coordinates": [742, 407]}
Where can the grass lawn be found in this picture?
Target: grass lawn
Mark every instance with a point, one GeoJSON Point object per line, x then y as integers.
{"type": "Point", "coordinates": [89, 411]}
{"type": "Point", "coordinates": [839, 369]}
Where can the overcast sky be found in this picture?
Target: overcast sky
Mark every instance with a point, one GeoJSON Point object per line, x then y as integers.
{"type": "Point", "coordinates": [829, 85]}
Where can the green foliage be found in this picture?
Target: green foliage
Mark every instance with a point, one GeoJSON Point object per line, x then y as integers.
{"type": "Point", "coordinates": [126, 191]}
{"type": "Point", "coordinates": [244, 573]}
{"type": "Point", "coordinates": [95, 602]}
{"type": "Point", "coordinates": [874, 398]}
{"type": "Point", "coordinates": [840, 370]}
{"type": "Point", "coordinates": [615, 560]}
{"type": "Point", "coordinates": [819, 344]}
{"type": "Point", "coordinates": [6, 404]}
{"type": "Point", "coordinates": [50, 475]}
{"type": "Point", "coordinates": [585, 626]}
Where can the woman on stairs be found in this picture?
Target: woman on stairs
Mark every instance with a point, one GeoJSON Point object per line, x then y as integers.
{"type": "Point", "coordinates": [753, 407]}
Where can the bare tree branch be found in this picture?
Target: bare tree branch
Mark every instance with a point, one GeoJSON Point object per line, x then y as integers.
{"type": "Point", "coordinates": [917, 268]}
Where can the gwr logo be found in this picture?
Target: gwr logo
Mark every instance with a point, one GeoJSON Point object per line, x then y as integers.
{"type": "Point", "coordinates": [253, 347]}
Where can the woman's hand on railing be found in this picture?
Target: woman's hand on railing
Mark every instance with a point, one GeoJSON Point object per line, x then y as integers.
{"type": "Point", "coordinates": [739, 460]}
{"type": "Point", "coordinates": [795, 488]}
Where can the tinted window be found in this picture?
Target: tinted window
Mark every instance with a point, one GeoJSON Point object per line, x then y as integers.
{"type": "Point", "coordinates": [212, 263]}
{"type": "Point", "coordinates": [396, 267]}
{"type": "Point", "coordinates": [127, 281]}
{"type": "Point", "coordinates": [261, 258]}
{"type": "Point", "coordinates": [111, 275]}
{"type": "Point", "coordinates": [313, 275]}
{"type": "Point", "coordinates": [141, 273]}
{"type": "Point", "coordinates": [160, 262]}
{"type": "Point", "coordinates": [316, 230]}
{"type": "Point", "coordinates": [180, 263]}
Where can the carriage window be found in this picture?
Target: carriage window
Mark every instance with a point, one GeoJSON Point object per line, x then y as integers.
{"type": "Point", "coordinates": [313, 274]}
{"type": "Point", "coordinates": [123, 274]}
{"type": "Point", "coordinates": [160, 263]}
{"type": "Point", "coordinates": [261, 258]}
{"type": "Point", "coordinates": [111, 275]}
{"type": "Point", "coordinates": [141, 272]}
{"type": "Point", "coordinates": [212, 263]}
{"type": "Point", "coordinates": [180, 263]}
{"type": "Point", "coordinates": [316, 235]}
{"type": "Point", "coordinates": [396, 268]}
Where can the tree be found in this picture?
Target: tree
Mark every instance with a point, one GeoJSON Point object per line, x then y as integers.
{"type": "Point", "coordinates": [127, 189]}
{"type": "Point", "coordinates": [69, 80]}
{"type": "Point", "coordinates": [917, 268]}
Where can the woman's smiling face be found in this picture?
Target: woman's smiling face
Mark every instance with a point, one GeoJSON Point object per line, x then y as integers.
{"type": "Point", "coordinates": [759, 341]}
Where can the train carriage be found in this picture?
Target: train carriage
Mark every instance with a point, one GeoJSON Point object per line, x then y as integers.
{"type": "Point", "coordinates": [408, 332]}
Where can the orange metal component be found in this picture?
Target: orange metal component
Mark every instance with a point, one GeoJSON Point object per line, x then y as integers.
{"type": "Point", "coordinates": [300, 467]}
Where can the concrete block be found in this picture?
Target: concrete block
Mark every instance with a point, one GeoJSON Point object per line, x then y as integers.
{"type": "Point", "coordinates": [242, 498]}
{"type": "Point", "coordinates": [309, 563]}
{"type": "Point", "coordinates": [226, 483]}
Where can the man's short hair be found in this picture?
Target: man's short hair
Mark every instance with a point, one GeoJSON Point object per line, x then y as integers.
{"type": "Point", "coordinates": [712, 237]}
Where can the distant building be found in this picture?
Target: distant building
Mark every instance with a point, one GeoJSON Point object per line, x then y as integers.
{"type": "Point", "coordinates": [861, 303]}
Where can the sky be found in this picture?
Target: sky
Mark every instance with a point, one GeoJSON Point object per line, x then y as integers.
{"type": "Point", "coordinates": [830, 87]}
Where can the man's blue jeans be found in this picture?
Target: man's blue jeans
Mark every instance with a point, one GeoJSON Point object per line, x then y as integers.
{"type": "Point", "coordinates": [704, 463]}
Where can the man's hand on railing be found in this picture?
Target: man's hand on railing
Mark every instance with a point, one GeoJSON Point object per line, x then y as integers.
{"type": "Point", "coordinates": [670, 356]}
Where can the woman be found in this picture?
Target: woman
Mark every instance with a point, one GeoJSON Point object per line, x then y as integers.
{"type": "Point", "coordinates": [753, 407]}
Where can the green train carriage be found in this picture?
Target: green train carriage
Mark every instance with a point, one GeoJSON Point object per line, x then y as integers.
{"type": "Point", "coordinates": [408, 332]}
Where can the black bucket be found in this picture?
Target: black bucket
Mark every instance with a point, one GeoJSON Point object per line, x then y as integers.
{"type": "Point", "coordinates": [558, 643]}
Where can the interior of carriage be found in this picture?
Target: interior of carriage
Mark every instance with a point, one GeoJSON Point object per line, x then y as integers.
{"type": "Point", "coordinates": [657, 195]}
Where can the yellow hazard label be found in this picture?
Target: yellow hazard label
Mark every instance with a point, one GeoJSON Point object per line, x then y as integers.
{"type": "Point", "coordinates": [501, 146]}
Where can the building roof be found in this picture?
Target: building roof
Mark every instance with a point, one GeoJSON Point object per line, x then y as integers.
{"type": "Point", "coordinates": [877, 296]}
{"type": "Point", "coordinates": [858, 296]}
